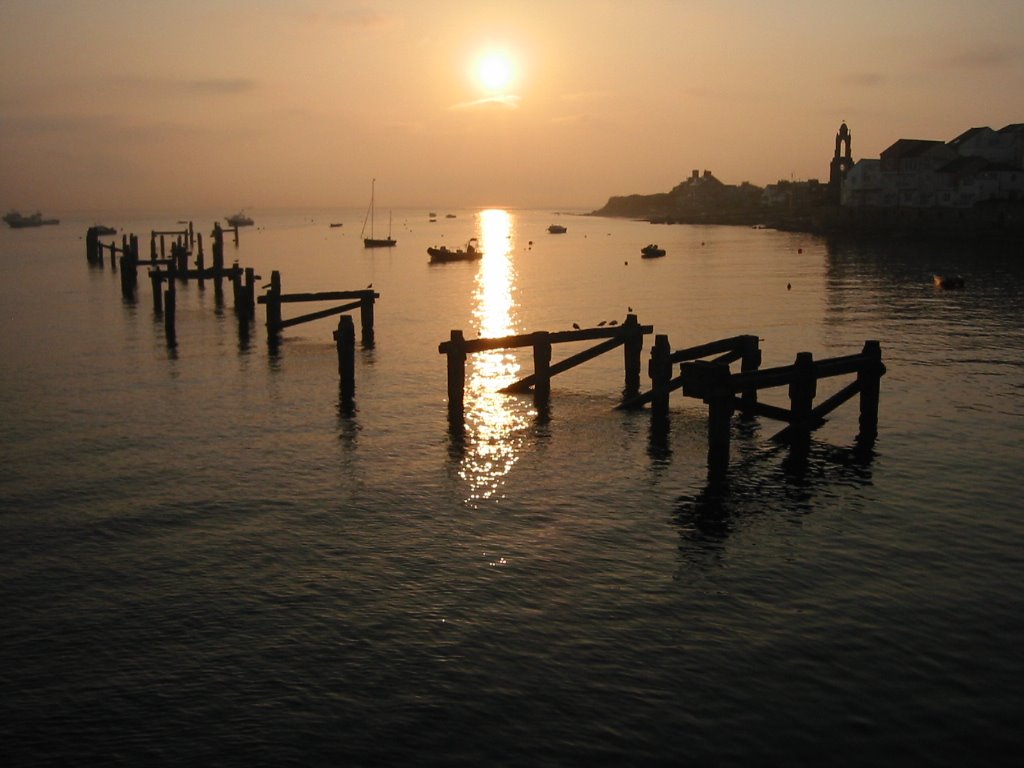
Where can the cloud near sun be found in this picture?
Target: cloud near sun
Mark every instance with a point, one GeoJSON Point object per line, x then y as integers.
{"type": "Point", "coordinates": [506, 101]}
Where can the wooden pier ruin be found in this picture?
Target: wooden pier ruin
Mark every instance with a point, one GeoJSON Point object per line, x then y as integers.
{"type": "Point", "coordinates": [344, 336]}
{"type": "Point", "coordinates": [628, 335]}
{"type": "Point", "coordinates": [704, 369]}
{"type": "Point", "coordinates": [718, 387]}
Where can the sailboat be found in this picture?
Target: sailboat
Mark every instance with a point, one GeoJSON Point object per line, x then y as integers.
{"type": "Point", "coordinates": [371, 241]}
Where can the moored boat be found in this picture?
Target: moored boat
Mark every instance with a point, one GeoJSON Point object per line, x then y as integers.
{"type": "Point", "coordinates": [948, 281]}
{"type": "Point", "coordinates": [16, 220]}
{"type": "Point", "coordinates": [651, 251]}
{"type": "Point", "coordinates": [371, 241]}
{"type": "Point", "coordinates": [239, 220]}
{"type": "Point", "coordinates": [442, 254]}
{"type": "Point", "coordinates": [557, 229]}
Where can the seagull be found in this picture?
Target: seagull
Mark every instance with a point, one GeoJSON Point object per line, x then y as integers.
{"type": "Point", "coordinates": [576, 326]}
{"type": "Point", "coordinates": [613, 322]}
{"type": "Point", "coordinates": [370, 285]}
{"type": "Point", "coordinates": [601, 323]}
{"type": "Point", "coordinates": [630, 309]}
{"type": "Point", "coordinates": [789, 286]}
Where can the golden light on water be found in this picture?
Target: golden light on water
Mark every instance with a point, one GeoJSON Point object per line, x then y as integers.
{"type": "Point", "coordinates": [494, 421]}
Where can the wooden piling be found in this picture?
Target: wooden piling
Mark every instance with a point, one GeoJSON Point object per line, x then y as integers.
{"type": "Point", "coordinates": [345, 340]}
{"type": "Point", "coordinates": [869, 378]}
{"type": "Point", "coordinates": [660, 372]}
{"type": "Point", "coordinates": [273, 301]}
{"type": "Point", "coordinates": [721, 406]}
{"type": "Point", "coordinates": [632, 349]}
{"type": "Point", "coordinates": [156, 280]}
{"type": "Point", "coordinates": [749, 362]}
{"type": "Point", "coordinates": [542, 369]}
{"type": "Point", "coordinates": [456, 353]}
{"type": "Point", "coordinates": [802, 390]}
{"type": "Point", "coordinates": [169, 312]}
{"type": "Point", "coordinates": [92, 241]}
{"type": "Point", "coordinates": [366, 319]}
{"type": "Point", "coordinates": [248, 308]}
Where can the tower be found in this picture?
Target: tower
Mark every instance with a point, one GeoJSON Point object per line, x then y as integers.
{"type": "Point", "coordinates": [842, 162]}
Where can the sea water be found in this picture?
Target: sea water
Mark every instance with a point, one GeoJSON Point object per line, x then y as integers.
{"type": "Point", "coordinates": [206, 559]}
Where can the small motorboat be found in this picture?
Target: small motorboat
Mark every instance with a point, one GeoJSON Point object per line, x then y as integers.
{"type": "Point", "coordinates": [557, 229]}
{"type": "Point", "coordinates": [335, 224]}
{"type": "Point", "coordinates": [238, 220]}
{"type": "Point", "coordinates": [471, 252]}
{"type": "Point", "coordinates": [948, 281]}
{"type": "Point", "coordinates": [651, 251]}
{"type": "Point", "coordinates": [15, 220]}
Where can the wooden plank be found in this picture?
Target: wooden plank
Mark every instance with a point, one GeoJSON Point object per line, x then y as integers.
{"type": "Point", "coordinates": [318, 315]}
{"type": "Point", "coordinates": [556, 337]}
{"type": "Point", "coordinates": [328, 296]}
{"type": "Point", "coordinates": [710, 348]}
{"type": "Point", "coordinates": [524, 384]}
{"type": "Point", "coordinates": [830, 404]}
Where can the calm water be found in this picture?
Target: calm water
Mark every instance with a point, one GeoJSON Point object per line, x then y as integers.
{"type": "Point", "coordinates": [203, 560]}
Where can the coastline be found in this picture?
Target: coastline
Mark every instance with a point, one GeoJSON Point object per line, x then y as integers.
{"type": "Point", "coordinates": [1002, 222]}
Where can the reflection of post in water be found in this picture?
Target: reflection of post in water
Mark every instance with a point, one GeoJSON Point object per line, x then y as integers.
{"type": "Point", "coordinates": [753, 487]}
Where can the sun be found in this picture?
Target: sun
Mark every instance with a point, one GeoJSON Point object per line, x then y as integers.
{"type": "Point", "coordinates": [495, 72]}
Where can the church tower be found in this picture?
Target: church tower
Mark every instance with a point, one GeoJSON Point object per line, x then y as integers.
{"type": "Point", "coordinates": [842, 162]}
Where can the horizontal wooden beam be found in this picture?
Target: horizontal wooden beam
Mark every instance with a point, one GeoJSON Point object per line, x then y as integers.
{"type": "Point", "coordinates": [620, 332]}
{"type": "Point", "coordinates": [288, 298]}
{"type": "Point", "coordinates": [731, 344]}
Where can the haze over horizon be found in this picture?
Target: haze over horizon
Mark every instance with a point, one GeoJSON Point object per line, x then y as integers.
{"type": "Point", "coordinates": [136, 105]}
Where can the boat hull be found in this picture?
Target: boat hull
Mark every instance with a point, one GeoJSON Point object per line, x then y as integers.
{"type": "Point", "coordinates": [372, 242]}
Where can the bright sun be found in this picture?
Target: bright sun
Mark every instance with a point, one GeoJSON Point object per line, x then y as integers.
{"type": "Point", "coordinates": [494, 71]}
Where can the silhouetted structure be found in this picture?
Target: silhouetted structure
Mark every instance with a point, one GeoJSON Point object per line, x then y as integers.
{"type": "Point", "coordinates": [842, 162]}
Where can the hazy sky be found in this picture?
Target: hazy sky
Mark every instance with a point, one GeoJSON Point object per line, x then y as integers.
{"type": "Point", "coordinates": [296, 103]}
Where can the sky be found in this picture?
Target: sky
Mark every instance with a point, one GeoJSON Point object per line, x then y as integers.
{"type": "Point", "coordinates": [139, 104]}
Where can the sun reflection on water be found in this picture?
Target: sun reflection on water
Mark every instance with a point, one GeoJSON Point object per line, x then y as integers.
{"type": "Point", "coordinates": [494, 421]}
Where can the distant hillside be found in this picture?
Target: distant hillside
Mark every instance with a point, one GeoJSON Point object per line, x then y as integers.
{"type": "Point", "coordinates": [698, 199]}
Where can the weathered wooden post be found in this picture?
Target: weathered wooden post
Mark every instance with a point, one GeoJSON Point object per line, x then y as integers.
{"type": "Point", "coordinates": [345, 339]}
{"type": "Point", "coordinates": [721, 405]}
{"type": "Point", "coordinates": [179, 253]}
{"type": "Point", "coordinates": [152, 245]}
{"type": "Point", "coordinates": [127, 289]}
{"type": "Point", "coordinates": [632, 349]}
{"type": "Point", "coordinates": [201, 267]}
{"type": "Point", "coordinates": [710, 382]}
{"type": "Point", "coordinates": [801, 395]}
{"type": "Point", "coordinates": [366, 318]}
{"type": "Point", "coordinates": [218, 246]}
{"type": "Point", "coordinates": [542, 369]}
{"type": "Point", "coordinates": [248, 308]}
{"type": "Point", "coordinates": [192, 236]}
{"type": "Point", "coordinates": [156, 279]}
{"type": "Point", "coordinates": [869, 377]}
{"type": "Point", "coordinates": [163, 248]}
{"type": "Point", "coordinates": [660, 371]}
{"type": "Point", "coordinates": [169, 311]}
{"type": "Point", "coordinates": [750, 361]}
{"type": "Point", "coordinates": [92, 242]}
{"type": "Point", "coordinates": [456, 352]}
{"type": "Point", "coordinates": [273, 300]}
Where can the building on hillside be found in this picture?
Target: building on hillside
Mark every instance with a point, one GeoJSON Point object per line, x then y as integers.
{"type": "Point", "coordinates": [977, 166]}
